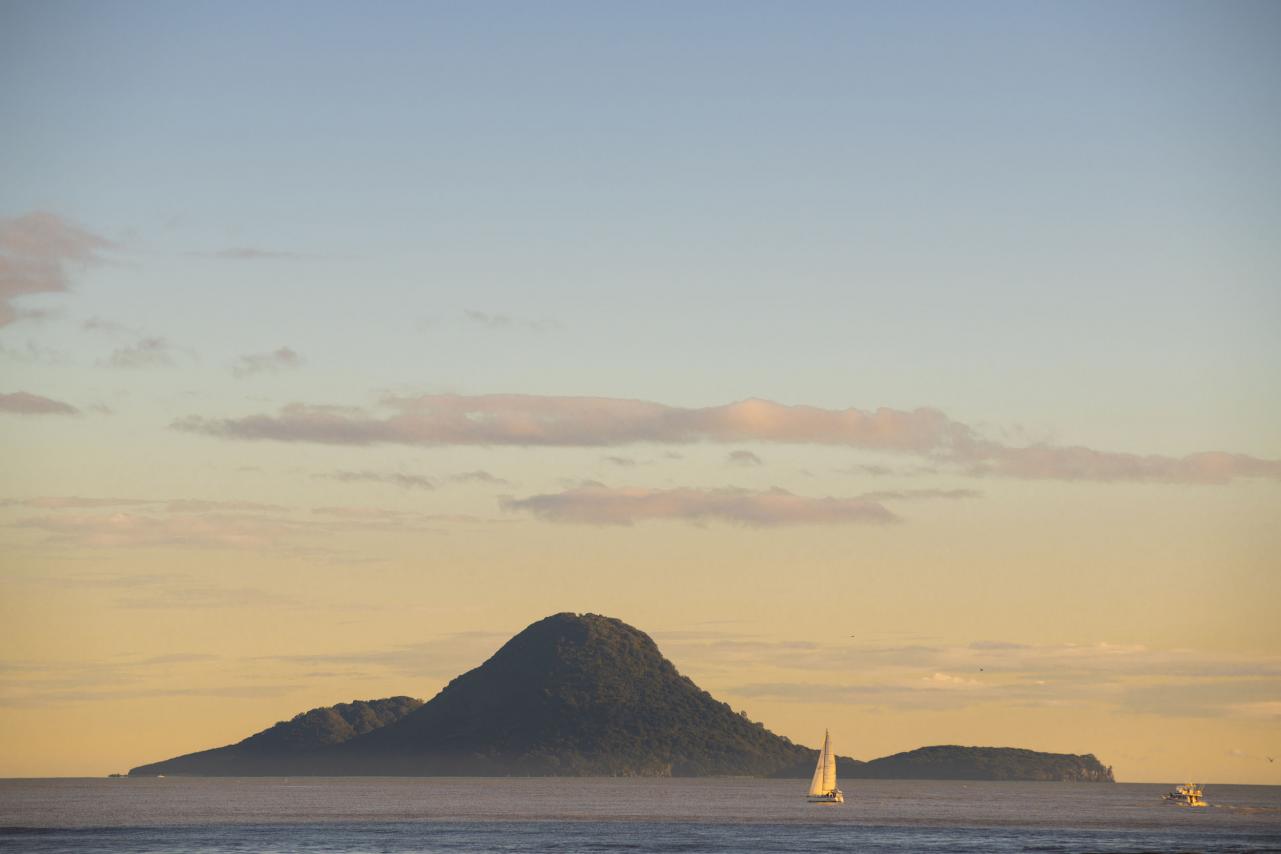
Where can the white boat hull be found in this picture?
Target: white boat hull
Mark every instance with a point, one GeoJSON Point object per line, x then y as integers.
{"type": "Point", "coordinates": [831, 798]}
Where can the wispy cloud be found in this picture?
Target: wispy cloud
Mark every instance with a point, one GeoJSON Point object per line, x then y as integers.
{"type": "Point", "coordinates": [256, 363]}
{"type": "Point", "coordinates": [364, 513]}
{"type": "Point", "coordinates": [148, 530]}
{"type": "Point", "coordinates": [25, 403]}
{"type": "Point", "coordinates": [34, 353]}
{"type": "Point", "coordinates": [247, 253]}
{"type": "Point", "coordinates": [1136, 678]}
{"type": "Point", "coordinates": [1078, 463]}
{"type": "Point", "coordinates": [171, 505]}
{"type": "Point", "coordinates": [60, 502]}
{"type": "Point", "coordinates": [200, 505]}
{"type": "Point", "coordinates": [201, 596]}
{"type": "Point", "coordinates": [395, 478]}
{"type": "Point", "coordinates": [441, 657]}
{"type": "Point", "coordinates": [490, 320]}
{"type": "Point", "coordinates": [35, 696]}
{"type": "Point", "coordinates": [37, 315]}
{"type": "Point", "coordinates": [621, 462]}
{"type": "Point", "coordinates": [527, 420]}
{"type": "Point", "coordinates": [38, 251]}
{"type": "Point", "coordinates": [596, 504]}
{"type": "Point", "coordinates": [478, 476]}
{"type": "Point", "coordinates": [1201, 698]}
{"type": "Point", "coordinates": [743, 458]}
{"type": "Point", "coordinates": [148, 352]}
{"type": "Point", "coordinates": [406, 480]}
{"type": "Point", "coordinates": [109, 327]}
{"type": "Point", "coordinates": [919, 494]}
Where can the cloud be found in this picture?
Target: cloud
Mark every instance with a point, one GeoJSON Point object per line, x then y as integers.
{"type": "Point", "coordinates": [504, 321]}
{"type": "Point", "coordinates": [596, 504]}
{"type": "Point", "coordinates": [25, 403]}
{"type": "Point", "coordinates": [148, 530]}
{"type": "Point", "coordinates": [1269, 709]}
{"type": "Point", "coordinates": [171, 505]}
{"type": "Point", "coordinates": [481, 318]}
{"type": "Point", "coordinates": [37, 252]}
{"type": "Point", "coordinates": [1078, 463]}
{"type": "Point", "coordinates": [937, 691]}
{"type": "Point", "coordinates": [1171, 682]}
{"type": "Point", "coordinates": [34, 352]}
{"type": "Point", "coordinates": [1206, 698]}
{"type": "Point", "coordinates": [246, 253]}
{"type": "Point", "coordinates": [37, 315]}
{"type": "Point", "coordinates": [60, 502]}
{"type": "Point", "coordinates": [878, 470]}
{"type": "Point", "coordinates": [396, 478]}
{"type": "Point", "coordinates": [257, 363]}
{"type": "Point", "coordinates": [533, 421]}
{"type": "Point", "coordinates": [919, 494]}
{"type": "Point", "coordinates": [34, 683]}
{"type": "Point", "coordinates": [997, 645]}
{"type": "Point", "coordinates": [530, 420]}
{"type": "Point", "coordinates": [146, 353]}
{"type": "Point", "coordinates": [110, 327]}
{"type": "Point", "coordinates": [478, 476]}
{"type": "Point", "coordinates": [202, 596]}
{"type": "Point", "coordinates": [36, 698]}
{"type": "Point", "coordinates": [441, 658]}
{"type": "Point", "coordinates": [743, 458]}
{"type": "Point", "coordinates": [362, 513]}
{"type": "Point", "coordinates": [621, 462]}
{"type": "Point", "coordinates": [388, 520]}
{"type": "Point", "coordinates": [193, 505]}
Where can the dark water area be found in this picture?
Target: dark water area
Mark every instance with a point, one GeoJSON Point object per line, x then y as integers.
{"type": "Point", "coordinates": [622, 815]}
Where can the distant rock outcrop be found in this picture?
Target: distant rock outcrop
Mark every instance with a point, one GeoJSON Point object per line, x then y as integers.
{"type": "Point", "coordinates": [288, 741]}
{"type": "Point", "coordinates": [570, 695]}
{"type": "Point", "coordinates": [953, 762]}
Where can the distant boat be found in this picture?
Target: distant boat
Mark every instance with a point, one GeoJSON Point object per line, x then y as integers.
{"type": "Point", "coordinates": [1187, 795]}
{"type": "Point", "coordinates": [823, 787]}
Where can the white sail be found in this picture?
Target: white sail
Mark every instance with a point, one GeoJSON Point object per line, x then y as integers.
{"type": "Point", "coordinates": [828, 761]}
{"type": "Point", "coordinates": [823, 787]}
{"type": "Point", "coordinates": [816, 785]}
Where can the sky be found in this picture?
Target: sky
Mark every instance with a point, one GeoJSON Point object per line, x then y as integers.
{"type": "Point", "coordinates": [907, 370]}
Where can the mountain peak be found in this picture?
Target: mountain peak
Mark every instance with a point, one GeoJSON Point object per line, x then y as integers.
{"type": "Point", "coordinates": [581, 693]}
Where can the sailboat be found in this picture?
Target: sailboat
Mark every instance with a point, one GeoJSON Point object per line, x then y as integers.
{"type": "Point", "coordinates": [823, 787]}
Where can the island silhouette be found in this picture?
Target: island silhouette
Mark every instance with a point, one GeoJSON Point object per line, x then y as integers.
{"type": "Point", "coordinates": [577, 695]}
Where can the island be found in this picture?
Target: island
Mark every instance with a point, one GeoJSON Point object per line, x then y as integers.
{"type": "Point", "coordinates": [576, 695]}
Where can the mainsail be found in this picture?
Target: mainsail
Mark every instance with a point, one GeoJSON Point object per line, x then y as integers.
{"type": "Point", "coordinates": [829, 764]}
{"type": "Point", "coordinates": [825, 771]}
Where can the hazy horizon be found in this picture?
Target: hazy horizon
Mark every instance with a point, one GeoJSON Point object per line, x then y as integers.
{"type": "Point", "coordinates": [904, 370]}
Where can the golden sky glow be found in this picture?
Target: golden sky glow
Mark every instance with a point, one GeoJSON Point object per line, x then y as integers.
{"type": "Point", "coordinates": [912, 377]}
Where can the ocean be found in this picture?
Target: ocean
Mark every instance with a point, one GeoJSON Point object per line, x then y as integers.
{"type": "Point", "coordinates": [567, 815]}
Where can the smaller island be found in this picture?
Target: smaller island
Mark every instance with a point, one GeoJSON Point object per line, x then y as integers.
{"type": "Point", "coordinates": [954, 762]}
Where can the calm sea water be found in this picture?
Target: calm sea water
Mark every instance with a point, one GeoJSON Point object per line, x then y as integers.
{"type": "Point", "coordinates": [621, 815]}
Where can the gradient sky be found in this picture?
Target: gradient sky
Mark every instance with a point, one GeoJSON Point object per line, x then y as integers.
{"type": "Point", "coordinates": [845, 348]}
